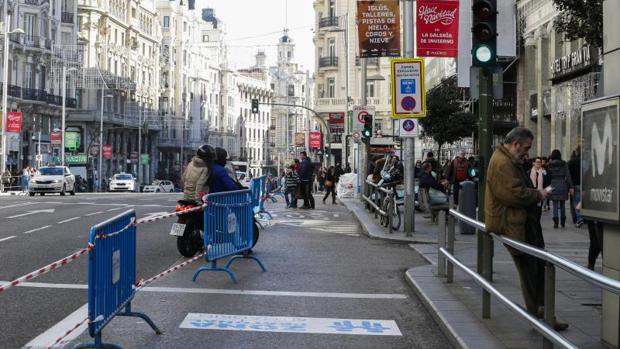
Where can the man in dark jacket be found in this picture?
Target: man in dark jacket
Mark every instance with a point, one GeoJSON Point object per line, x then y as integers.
{"type": "Point", "coordinates": [457, 173]}
{"type": "Point", "coordinates": [510, 210]}
{"type": "Point", "coordinates": [305, 175]}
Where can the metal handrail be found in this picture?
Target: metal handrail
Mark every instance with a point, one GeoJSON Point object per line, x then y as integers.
{"type": "Point", "coordinates": [540, 326]}
{"type": "Point", "coordinates": [585, 274]}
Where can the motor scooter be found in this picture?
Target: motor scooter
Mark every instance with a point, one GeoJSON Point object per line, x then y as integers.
{"type": "Point", "coordinates": [189, 230]}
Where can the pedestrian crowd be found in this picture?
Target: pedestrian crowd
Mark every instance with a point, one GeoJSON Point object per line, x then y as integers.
{"type": "Point", "coordinates": [12, 180]}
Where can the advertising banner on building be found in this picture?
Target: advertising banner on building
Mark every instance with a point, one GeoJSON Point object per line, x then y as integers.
{"type": "Point", "coordinates": [315, 140]}
{"type": "Point", "coordinates": [378, 28]}
{"type": "Point", "coordinates": [300, 139]}
{"type": "Point", "coordinates": [107, 151]}
{"type": "Point", "coordinates": [336, 123]}
{"type": "Point", "coordinates": [14, 122]}
{"type": "Point", "coordinates": [437, 28]}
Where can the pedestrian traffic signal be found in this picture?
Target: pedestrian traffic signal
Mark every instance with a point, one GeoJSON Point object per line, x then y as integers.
{"type": "Point", "coordinates": [484, 33]}
{"type": "Point", "coordinates": [367, 131]}
{"type": "Point", "coordinates": [254, 106]}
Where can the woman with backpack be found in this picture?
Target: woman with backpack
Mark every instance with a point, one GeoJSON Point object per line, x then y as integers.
{"type": "Point", "coordinates": [561, 184]}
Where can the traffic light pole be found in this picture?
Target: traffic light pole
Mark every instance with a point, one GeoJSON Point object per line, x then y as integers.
{"type": "Point", "coordinates": [409, 143]}
{"type": "Point", "coordinates": [485, 134]}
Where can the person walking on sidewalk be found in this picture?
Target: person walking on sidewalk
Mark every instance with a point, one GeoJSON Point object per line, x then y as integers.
{"type": "Point", "coordinates": [330, 184]}
{"type": "Point", "coordinates": [574, 168]}
{"type": "Point", "coordinates": [291, 183]}
{"type": "Point", "coordinates": [306, 177]}
{"type": "Point", "coordinates": [457, 172]}
{"type": "Point", "coordinates": [539, 179]}
{"type": "Point", "coordinates": [510, 209]}
{"type": "Point", "coordinates": [561, 184]}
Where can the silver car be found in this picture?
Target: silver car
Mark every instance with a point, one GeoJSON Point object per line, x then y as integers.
{"type": "Point", "coordinates": [52, 179]}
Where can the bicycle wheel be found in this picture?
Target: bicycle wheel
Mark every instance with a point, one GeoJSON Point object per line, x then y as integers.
{"type": "Point", "coordinates": [384, 207]}
{"type": "Point", "coordinates": [395, 217]}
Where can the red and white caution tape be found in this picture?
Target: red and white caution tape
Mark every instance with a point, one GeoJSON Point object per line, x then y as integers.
{"type": "Point", "coordinates": [107, 236]}
{"type": "Point", "coordinates": [142, 283]}
{"type": "Point", "coordinates": [46, 269]}
{"type": "Point", "coordinates": [168, 215]}
{"type": "Point", "coordinates": [67, 333]}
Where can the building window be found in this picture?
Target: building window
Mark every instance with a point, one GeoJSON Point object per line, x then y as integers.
{"type": "Point", "coordinates": [29, 22]}
{"type": "Point", "coordinates": [28, 76]}
{"type": "Point", "coordinates": [370, 89]}
{"type": "Point", "coordinates": [331, 87]}
{"type": "Point", "coordinates": [166, 21]}
{"type": "Point", "coordinates": [332, 8]}
{"type": "Point", "coordinates": [332, 47]}
{"type": "Point", "coordinates": [291, 90]}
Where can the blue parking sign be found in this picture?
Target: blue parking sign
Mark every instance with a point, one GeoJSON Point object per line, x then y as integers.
{"type": "Point", "coordinates": [407, 86]}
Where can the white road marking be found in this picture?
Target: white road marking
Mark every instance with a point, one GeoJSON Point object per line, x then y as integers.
{"type": "Point", "coordinates": [94, 213]}
{"type": "Point", "coordinates": [230, 292]}
{"type": "Point", "coordinates": [290, 324]}
{"type": "Point", "coordinates": [37, 229]}
{"type": "Point", "coordinates": [47, 338]}
{"type": "Point", "coordinates": [18, 205]}
{"type": "Point", "coordinates": [7, 238]}
{"type": "Point", "coordinates": [51, 210]}
{"type": "Point", "coordinates": [115, 209]}
{"type": "Point", "coordinates": [69, 220]}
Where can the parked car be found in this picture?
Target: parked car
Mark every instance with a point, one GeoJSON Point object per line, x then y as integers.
{"type": "Point", "coordinates": [123, 182]}
{"type": "Point", "coordinates": [52, 179]}
{"type": "Point", "coordinates": [159, 186]}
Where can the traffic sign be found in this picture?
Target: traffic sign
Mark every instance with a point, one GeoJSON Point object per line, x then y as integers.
{"type": "Point", "coordinates": [38, 157]}
{"type": "Point", "coordinates": [359, 112]}
{"type": "Point", "coordinates": [356, 136]}
{"type": "Point", "coordinates": [408, 90]}
{"type": "Point", "coordinates": [408, 128]}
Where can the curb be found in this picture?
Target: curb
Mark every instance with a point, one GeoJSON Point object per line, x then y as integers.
{"type": "Point", "coordinates": [462, 328]}
{"type": "Point", "coordinates": [362, 218]}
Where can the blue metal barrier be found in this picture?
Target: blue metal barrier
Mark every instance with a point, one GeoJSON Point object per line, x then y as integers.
{"type": "Point", "coordinates": [258, 186]}
{"type": "Point", "coordinates": [112, 275]}
{"type": "Point", "coordinates": [229, 229]}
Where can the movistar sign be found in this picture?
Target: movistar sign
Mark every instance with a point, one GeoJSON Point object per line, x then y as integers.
{"type": "Point", "coordinates": [600, 180]}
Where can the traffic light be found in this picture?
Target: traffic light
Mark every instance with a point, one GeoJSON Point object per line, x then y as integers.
{"type": "Point", "coordinates": [254, 106]}
{"type": "Point", "coordinates": [484, 33]}
{"type": "Point", "coordinates": [367, 131]}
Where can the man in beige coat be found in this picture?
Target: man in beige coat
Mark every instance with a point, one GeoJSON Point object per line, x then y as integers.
{"type": "Point", "coordinates": [196, 175]}
{"type": "Point", "coordinates": [510, 203]}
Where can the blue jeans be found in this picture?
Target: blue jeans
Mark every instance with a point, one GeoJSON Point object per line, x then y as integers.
{"type": "Point", "coordinates": [559, 209]}
{"type": "Point", "coordinates": [25, 182]}
{"type": "Point", "coordinates": [288, 202]}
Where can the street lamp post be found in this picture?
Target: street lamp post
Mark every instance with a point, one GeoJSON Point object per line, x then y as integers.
{"type": "Point", "coordinates": [100, 172]}
{"type": "Point", "coordinates": [64, 112]}
{"type": "Point", "coordinates": [5, 81]}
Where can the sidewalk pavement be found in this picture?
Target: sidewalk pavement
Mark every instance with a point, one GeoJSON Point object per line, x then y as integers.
{"type": "Point", "coordinates": [457, 307]}
{"type": "Point", "coordinates": [9, 193]}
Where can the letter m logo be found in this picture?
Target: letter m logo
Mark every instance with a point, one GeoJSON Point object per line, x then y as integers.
{"type": "Point", "coordinates": [601, 147]}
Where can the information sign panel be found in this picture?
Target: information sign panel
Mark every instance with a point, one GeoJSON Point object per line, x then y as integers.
{"type": "Point", "coordinates": [408, 91]}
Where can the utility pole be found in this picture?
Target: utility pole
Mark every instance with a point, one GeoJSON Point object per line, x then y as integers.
{"type": "Point", "coordinates": [364, 146]}
{"type": "Point", "coordinates": [409, 143]}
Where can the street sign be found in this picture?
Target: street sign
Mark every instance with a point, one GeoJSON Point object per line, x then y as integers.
{"type": "Point", "coordinates": [408, 128]}
{"type": "Point", "coordinates": [145, 159]}
{"type": "Point", "coordinates": [107, 151]}
{"type": "Point", "coordinates": [78, 159]}
{"type": "Point", "coordinates": [38, 157]}
{"type": "Point", "coordinates": [408, 90]}
{"type": "Point", "coordinates": [359, 111]}
{"type": "Point", "coordinates": [356, 136]}
{"type": "Point", "coordinates": [378, 24]}
{"type": "Point", "coordinates": [56, 137]}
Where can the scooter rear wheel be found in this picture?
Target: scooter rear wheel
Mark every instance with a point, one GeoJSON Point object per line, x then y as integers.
{"type": "Point", "coordinates": [190, 243]}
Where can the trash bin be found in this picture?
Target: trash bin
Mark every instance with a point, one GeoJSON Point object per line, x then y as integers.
{"type": "Point", "coordinates": [467, 205]}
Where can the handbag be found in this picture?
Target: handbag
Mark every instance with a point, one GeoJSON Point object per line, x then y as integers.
{"type": "Point", "coordinates": [436, 197]}
{"type": "Point", "coordinates": [329, 184]}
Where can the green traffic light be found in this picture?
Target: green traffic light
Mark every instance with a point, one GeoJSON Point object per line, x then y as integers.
{"type": "Point", "coordinates": [483, 53]}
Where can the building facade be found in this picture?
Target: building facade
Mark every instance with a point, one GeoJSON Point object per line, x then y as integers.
{"type": "Point", "coordinates": [338, 79]}
{"type": "Point", "coordinates": [33, 88]}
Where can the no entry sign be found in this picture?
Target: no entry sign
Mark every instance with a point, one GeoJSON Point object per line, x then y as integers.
{"type": "Point", "coordinates": [408, 92]}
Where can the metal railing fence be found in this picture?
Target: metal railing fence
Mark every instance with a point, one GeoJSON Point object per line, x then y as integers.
{"type": "Point", "coordinates": [447, 260]}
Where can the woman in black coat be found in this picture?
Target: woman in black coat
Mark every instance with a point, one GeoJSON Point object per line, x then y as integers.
{"type": "Point", "coordinates": [558, 172]}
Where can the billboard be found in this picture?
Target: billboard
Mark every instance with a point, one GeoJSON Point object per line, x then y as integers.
{"type": "Point", "coordinates": [315, 140]}
{"type": "Point", "coordinates": [336, 122]}
{"type": "Point", "coordinates": [300, 139]}
{"type": "Point", "coordinates": [14, 122]}
{"type": "Point", "coordinates": [437, 32]}
{"type": "Point", "coordinates": [378, 28]}
{"type": "Point", "coordinates": [600, 160]}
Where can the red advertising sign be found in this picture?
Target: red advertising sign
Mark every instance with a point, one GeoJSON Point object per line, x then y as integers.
{"type": "Point", "coordinates": [378, 28]}
{"type": "Point", "coordinates": [315, 140]}
{"type": "Point", "coordinates": [14, 122]}
{"type": "Point", "coordinates": [55, 138]}
{"type": "Point", "coordinates": [107, 151]}
{"type": "Point", "coordinates": [437, 28]}
{"type": "Point", "coordinates": [336, 122]}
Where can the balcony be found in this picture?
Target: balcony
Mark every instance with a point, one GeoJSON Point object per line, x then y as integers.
{"type": "Point", "coordinates": [15, 91]}
{"type": "Point", "coordinates": [66, 17]}
{"type": "Point", "coordinates": [71, 102]}
{"type": "Point", "coordinates": [331, 102]}
{"type": "Point", "coordinates": [31, 2]}
{"type": "Point", "coordinates": [54, 100]}
{"type": "Point", "coordinates": [329, 61]}
{"type": "Point", "coordinates": [33, 41]}
{"type": "Point", "coordinates": [328, 22]}
{"type": "Point", "coordinates": [370, 61]}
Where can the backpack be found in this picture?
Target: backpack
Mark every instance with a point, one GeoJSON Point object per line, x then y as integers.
{"type": "Point", "coordinates": [460, 168]}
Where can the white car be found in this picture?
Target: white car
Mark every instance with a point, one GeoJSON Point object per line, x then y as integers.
{"type": "Point", "coordinates": [159, 186]}
{"type": "Point", "coordinates": [52, 179]}
{"type": "Point", "coordinates": [123, 182]}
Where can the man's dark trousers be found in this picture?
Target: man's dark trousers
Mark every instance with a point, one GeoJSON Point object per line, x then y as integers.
{"type": "Point", "coordinates": [531, 269]}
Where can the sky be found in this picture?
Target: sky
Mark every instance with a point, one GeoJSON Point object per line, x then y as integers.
{"type": "Point", "coordinates": [254, 25]}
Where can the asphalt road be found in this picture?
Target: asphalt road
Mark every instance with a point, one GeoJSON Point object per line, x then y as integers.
{"type": "Point", "coordinates": [319, 266]}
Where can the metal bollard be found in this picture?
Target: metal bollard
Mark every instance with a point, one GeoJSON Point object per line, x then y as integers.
{"type": "Point", "coordinates": [467, 205]}
{"type": "Point", "coordinates": [487, 261]}
{"type": "Point", "coordinates": [390, 210]}
{"type": "Point", "coordinates": [450, 248]}
{"type": "Point", "coordinates": [549, 300]}
{"type": "Point", "coordinates": [441, 242]}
